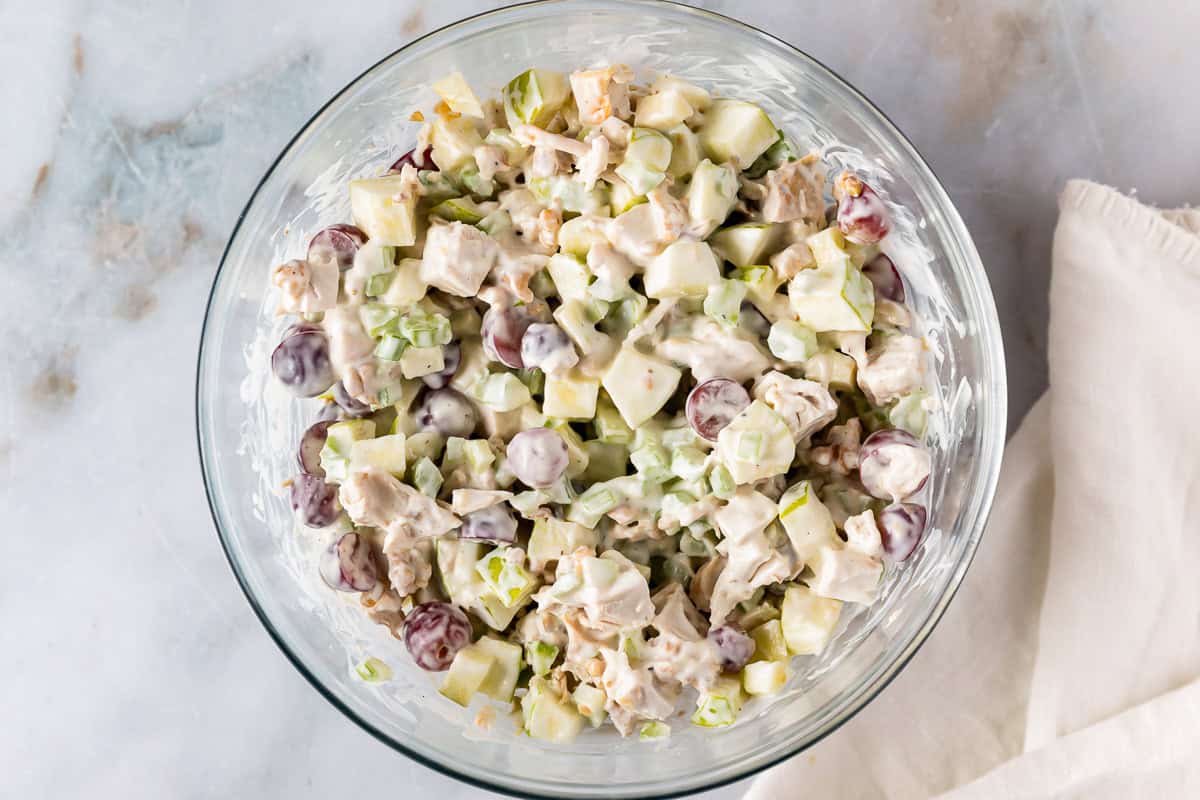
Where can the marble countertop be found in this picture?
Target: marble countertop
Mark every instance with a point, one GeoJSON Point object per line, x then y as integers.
{"type": "Point", "coordinates": [134, 133]}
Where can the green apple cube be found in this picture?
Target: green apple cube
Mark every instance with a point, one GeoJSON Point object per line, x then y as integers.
{"type": "Point", "coordinates": [571, 194]}
{"type": "Point", "coordinates": [387, 453]}
{"type": "Point", "coordinates": [737, 131]}
{"type": "Point", "coordinates": [570, 276]}
{"type": "Point", "coordinates": [589, 507]}
{"type": "Point", "coordinates": [427, 477]}
{"type": "Point", "coordinates": [610, 426]}
{"type": "Point", "coordinates": [696, 96]}
{"type": "Point", "coordinates": [373, 670]}
{"type": "Point", "coordinates": [456, 560]}
{"type": "Point", "coordinates": [833, 369]}
{"type": "Point", "coordinates": [534, 97]}
{"type": "Point", "coordinates": [662, 110]}
{"type": "Point", "coordinates": [808, 620]}
{"type": "Point", "coordinates": [502, 392]}
{"type": "Point", "coordinates": [764, 677]}
{"type": "Point", "coordinates": [646, 160]}
{"type": "Point", "coordinates": [720, 704]}
{"type": "Point", "coordinates": [339, 441]}
{"type": "Point", "coordinates": [747, 244]}
{"type": "Point", "coordinates": [589, 701]}
{"type": "Point", "coordinates": [454, 141]}
{"type": "Point", "coordinates": [685, 152]}
{"type": "Point", "coordinates": [425, 444]}
{"type": "Point", "coordinates": [457, 94]}
{"type": "Point", "coordinates": [792, 341]}
{"type": "Point", "coordinates": [504, 576]}
{"type": "Point", "coordinates": [514, 151]}
{"type": "Point", "coordinates": [468, 671]}
{"type": "Point", "coordinates": [762, 284]}
{"type": "Point", "coordinates": [710, 196]}
{"type": "Point", "coordinates": [547, 716]}
{"type": "Point", "coordinates": [828, 247]}
{"type": "Point", "coordinates": [763, 435]}
{"type": "Point", "coordinates": [722, 482]}
{"type": "Point", "coordinates": [639, 178]}
{"type": "Point", "coordinates": [385, 209]}
{"type": "Point", "coordinates": [621, 198]}
{"type": "Point", "coordinates": [436, 187]}
{"type": "Point", "coordinates": [685, 269]}
{"type": "Point", "coordinates": [579, 235]}
{"type": "Point", "coordinates": [570, 395]}
{"type": "Point", "coordinates": [640, 385]}
{"type": "Point", "coordinates": [406, 286]}
{"type": "Point", "coordinates": [418, 361]}
{"type": "Point", "coordinates": [572, 316]}
{"type": "Point", "coordinates": [540, 656]}
{"type": "Point", "coordinates": [501, 680]}
{"type": "Point", "coordinates": [553, 538]}
{"type": "Point", "coordinates": [459, 209]}
{"type": "Point", "coordinates": [652, 462]}
{"type": "Point", "coordinates": [472, 366]}
{"type": "Point", "coordinates": [422, 329]}
{"type": "Point", "coordinates": [833, 298]}
{"type": "Point", "coordinates": [909, 413]}
{"type": "Point", "coordinates": [807, 521]}
{"type": "Point", "coordinates": [724, 302]}
{"type": "Point", "coordinates": [769, 644]}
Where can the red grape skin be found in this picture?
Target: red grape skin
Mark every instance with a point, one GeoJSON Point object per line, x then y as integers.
{"type": "Point", "coordinates": [352, 407]}
{"type": "Point", "coordinates": [301, 363]}
{"type": "Point", "coordinates": [502, 330]}
{"type": "Point", "coordinates": [547, 347]}
{"type": "Point", "coordinates": [451, 358]}
{"type": "Point", "coordinates": [538, 457]}
{"type": "Point", "coordinates": [434, 633]}
{"type": "Point", "coordinates": [861, 215]}
{"type": "Point", "coordinates": [884, 276]}
{"type": "Point", "coordinates": [314, 500]}
{"type": "Point", "coordinates": [902, 526]}
{"type": "Point", "coordinates": [348, 564]}
{"type": "Point", "coordinates": [713, 404]}
{"type": "Point", "coordinates": [892, 464]}
{"type": "Point", "coordinates": [492, 524]}
{"type": "Point", "coordinates": [309, 452]}
{"type": "Point", "coordinates": [336, 244]}
{"type": "Point", "coordinates": [419, 160]}
{"type": "Point", "coordinates": [734, 648]}
{"type": "Point", "coordinates": [448, 412]}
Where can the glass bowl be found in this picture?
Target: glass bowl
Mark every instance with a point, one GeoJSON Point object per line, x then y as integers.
{"type": "Point", "coordinates": [248, 427]}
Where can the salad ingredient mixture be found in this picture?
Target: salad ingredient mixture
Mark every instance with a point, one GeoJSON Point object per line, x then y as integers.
{"type": "Point", "coordinates": [615, 407]}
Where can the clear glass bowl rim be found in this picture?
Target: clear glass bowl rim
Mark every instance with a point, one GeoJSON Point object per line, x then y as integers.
{"type": "Point", "coordinates": [994, 420]}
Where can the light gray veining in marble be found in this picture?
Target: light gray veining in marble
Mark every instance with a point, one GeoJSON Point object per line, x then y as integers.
{"type": "Point", "coordinates": [133, 133]}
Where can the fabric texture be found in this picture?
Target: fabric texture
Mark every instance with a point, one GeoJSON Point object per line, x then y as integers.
{"type": "Point", "coordinates": [1067, 665]}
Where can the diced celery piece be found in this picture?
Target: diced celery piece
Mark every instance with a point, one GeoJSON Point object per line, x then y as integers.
{"type": "Point", "coordinates": [639, 385]}
{"type": "Point", "coordinates": [339, 441]}
{"type": "Point", "coordinates": [514, 151]}
{"type": "Point", "coordinates": [502, 392]}
{"type": "Point", "coordinates": [540, 656]}
{"type": "Point", "coordinates": [722, 482]}
{"type": "Point", "coordinates": [764, 677]}
{"type": "Point", "coordinates": [688, 463]}
{"type": "Point", "coordinates": [734, 130]}
{"type": "Point", "coordinates": [373, 670]}
{"type": "Point", "coordinates": [835, 370]}
{"type": "Point", "coordinates": [769, 644]}
{"type": "Point", "coordinates": [378, 319]}
{"type": "Point", "coordinates": [377, 284]}
{"type": "Point", "coordinates": [436, 185]}
{"type": "Point", "coordinates": [478, 454]}
{"type": "Point", "coordinates": [711, 195]}
{"type": "Point", "coordinates": [468, 671]}
{"type": "Point", "coordinates": [610, 426]}
{"type": "Point", "coordinates": [386, 453]}
{"type": "Point", "coordinates": [626, 313]}
{"type": "Point", "coordinates": [654, 730]}
{"type": "Point", "coordinates": [459, 209]}
{"type": "Point", "coordinates": [698, 541]}
{"type": "Point", "coordinates": [390, 347]}
{"type": "Point", "coordinates": [792, 341]}
{"type": "Point", "coordinates": [542, 285]}
{"type": "Point", "coordinates": [577, 236]}
{"type": "Point", "coordinates": [534, 97]}
{"type": "Point", "coordinates": [495, 223]}
{"type": "Point", "coordinates": [571, 194]}
{"type": "Point", "coordinates": [724, 302]}
{"type": "Point", "coordinates": [547, 716]}
{"type": "Point", "coordinates": [593, 504]}
{"type": "Point", "coordinates": [808, 620]}
{"type": "Point", "coordinates": [589, 701]}
{"type": "Point", "coordinates": [426, 477]}
{"type": "Point", "coordinates": [385, 209]}
{"type": "Point", "coordinates": [685, 152]}
{"type": "Point", "coordinates": [652, 462]}
{"type": "Point", "coordinates": [747, 244]}
{"type": "Point", "coordinates": [501, 680]}
{"type": "Point", "coordinates": [422, 329]}
{"type": "Point", "coordinates": [476, 184]}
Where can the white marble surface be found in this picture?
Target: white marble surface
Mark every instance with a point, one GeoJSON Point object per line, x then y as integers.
{"type": "Point", "coordinates": [133, 133]}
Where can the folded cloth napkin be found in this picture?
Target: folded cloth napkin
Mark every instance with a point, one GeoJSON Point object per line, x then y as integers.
{"type": "Point", "coordinates": [1069, 663]}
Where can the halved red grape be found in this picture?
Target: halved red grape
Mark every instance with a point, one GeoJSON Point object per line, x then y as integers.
{"type": "Point", "coordinates": [713, 404]}
{"type": "Point", "coordinates": [538, 457]}
{"type": "Point", "coordinates": [348, 564]}
{"type": "Point", "coordinates": [434, 633]}
{"type": "Point", "coordinates": [330, 412]}
{"type": "Point", "coordinates": [734, 648]}
{"type": "Point", "coordinates": [892, 464]}
{"type": "Point", "coordinates": [861, 215]}
{"type": "Point", "coordinates": [301, 363]}
{"type": "Point", "coordinates": [492, 524]}
{"type": "Point", "coordinates": [448, 412]}
{"type": "Point", "coordinates": [451, 358]}
{"type": "Point", "coordinates": [901, 526]}
{"type": "Point", "coordinates": [352, 407]}
{"type": "Point", "coordinates": [884, 276]}
{"type": "Point", "coordinates": [547, 347]}
{"type": "Point", "coordinates": [502, 330]}
{"type": "Point", "coordinates": [420, 160]}
{"type": "Point", "coordinates": [336, 244]}
{"type": "Point", "coordinates": [314, 501]}
{"type": "Point", "coordinates": [309, 452]}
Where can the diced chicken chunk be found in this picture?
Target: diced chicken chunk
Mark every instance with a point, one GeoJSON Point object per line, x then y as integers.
{"type": "Point", "coordinates": [457, 258]}
{"type": "Point", "coordinates": [306, 288]}
{"type": "Point", "coordinates": [806, 406]}
{"type": "Point", "coordinates": [794, 192]}
{"type": "Point", "coordinates": [892, 369]}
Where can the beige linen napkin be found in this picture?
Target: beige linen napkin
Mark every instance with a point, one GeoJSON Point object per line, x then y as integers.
{"type": "Point", "coordinates": [1081, 612]}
